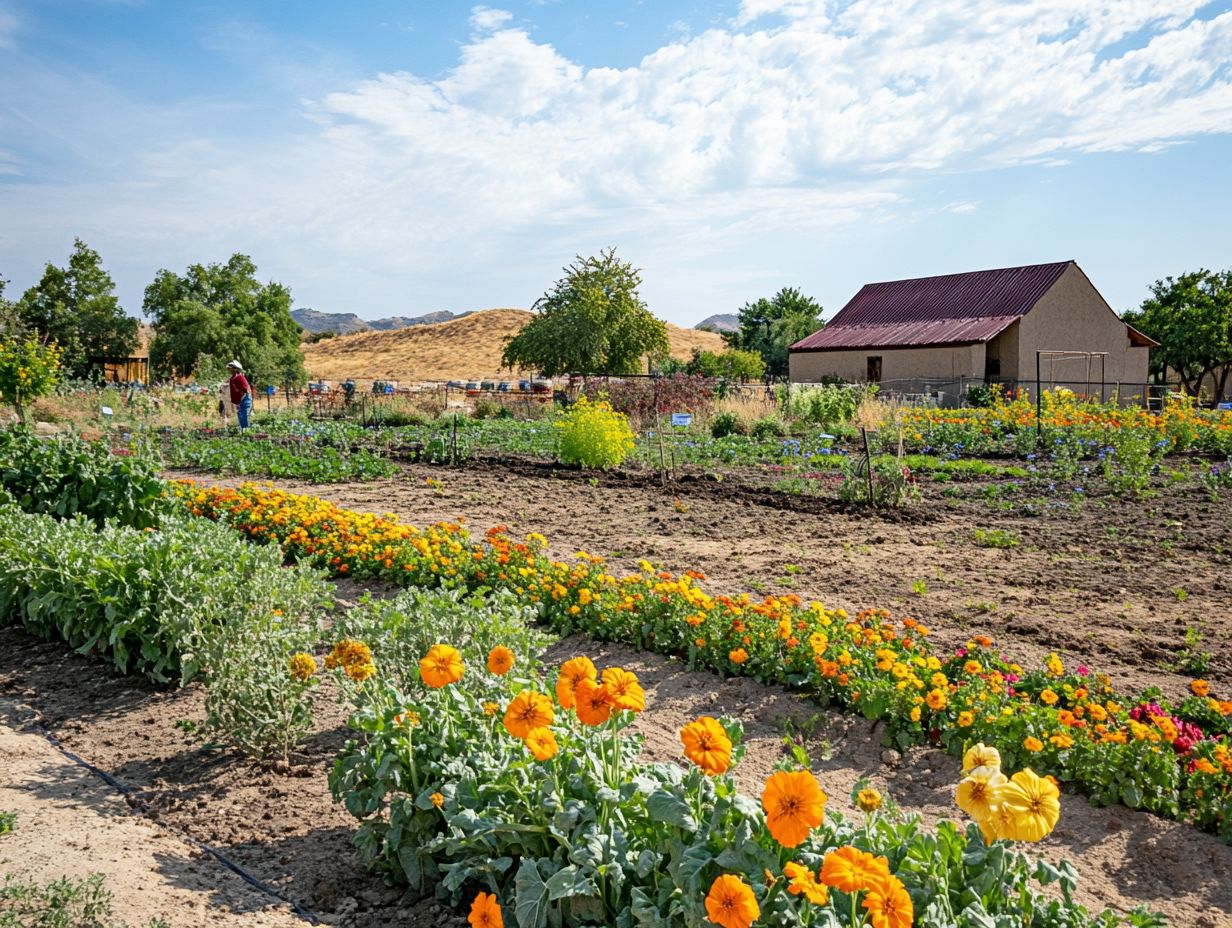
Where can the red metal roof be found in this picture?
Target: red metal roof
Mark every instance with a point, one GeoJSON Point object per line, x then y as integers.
{"type": "Point", "coordinates": [947, 310]}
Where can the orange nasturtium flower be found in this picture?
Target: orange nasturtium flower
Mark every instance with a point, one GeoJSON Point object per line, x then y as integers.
{"type": "Point", "coordinates": [542, 743]}
{"type": "Point", "coordinates": [795, 804]}
{"type": "Point", "coordinates": [441, 666]}
{"type": "Point", "coordinates": [731, 903]}
{"type": "Point", "coordinates": [527, 711]}
{"type": "Point", "coordinates": [485, 912]}
{"type": "Point", "coordinates": [707, 745]}
{"type": "Point", "coordinates": [1032, 805]}
{"type": "Point", "coordinates": [623, 690]}
{"type": "Point", "coordinates": [594, 707]}
{"type": "Point", "coordinates": [850, 869]}
{"type": "Point", "coordinates": [571, 673]}
{"type": "Point", "coordinates": [500, 660]}
{"type": "Point", "coordinates": [803, 882]}
{"type": "Point", "coordinates": [888, 905]}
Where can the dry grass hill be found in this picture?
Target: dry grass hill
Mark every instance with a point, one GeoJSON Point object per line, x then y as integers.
{"type": "Point", "coordinates": [468, 348]}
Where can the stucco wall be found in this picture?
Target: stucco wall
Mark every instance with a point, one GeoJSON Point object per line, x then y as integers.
{"type": "Point", "coordinates": [948, 362]}
{"type": "Point", "coordinates": [1072, 316]}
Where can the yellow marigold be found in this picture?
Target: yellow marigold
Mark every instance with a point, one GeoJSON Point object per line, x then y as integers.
{"type": "Point", "coordinates": [1200, 688]}
{"type": "Point", "coordinates": [1033, 744]}
{"type": "Point", "coordinates": [302, 666]}
{"type": "Point", "coordinates": [441, 666]}
{"type": "Point", "coordinates": [731, 903]}
{"type": "Point", "coordinates": [1054, 665]}
{"type": "Point", "coordinates": [1062, 741]}
{"type": "Point", "coordinates": [360, 672]}
{"type": "Point", "coordinates": [795, 804]}
{"type": "Point", "coordinates": [802, 882]}
{"type": "Point", "coordinates": [707, 745]}
{"type": "Point", "coordinates": [966, 719]}
{"type": "Point", "coordinates": [571, 672]}
{"type": "Point", "coordinates": [527, 711]}
{"type": "Point", "coordinates": [491, 708]}
{"type": "Point", "coordinates": [1048, 697]}
{"type": "Point", "coordinates": [1032, 804]}
{"type": "Point", "coordinates": [936, 700]}
{"type": "Point", "coordinates": [500, 660]}
{"type": "Point", "coordinates": [979, 792]}
{"type": "Point", "coordinates": [438, 799]}
{"type": "Point", "coordinates": [868, 799]}
{"type": "Point", "coordinates": [542, 743]}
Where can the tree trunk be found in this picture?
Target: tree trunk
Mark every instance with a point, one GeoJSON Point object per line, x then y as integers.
{"type": "Point", "coordinates": [21, 409]}
{"type": "Point", "coordinates": [1222, 382]}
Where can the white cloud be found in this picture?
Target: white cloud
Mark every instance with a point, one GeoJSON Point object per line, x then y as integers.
{"type": "Point", "coordinates": [487, 19]}
{"type": "Point", "coordinates": [796, 118]}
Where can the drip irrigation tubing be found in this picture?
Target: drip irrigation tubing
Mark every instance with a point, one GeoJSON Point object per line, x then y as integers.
{"type": "Point", "coordinates": [231, 865]}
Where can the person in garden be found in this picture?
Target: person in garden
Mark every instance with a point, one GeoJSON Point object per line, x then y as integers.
{"type": "Point", "coordinates": [241, 393]}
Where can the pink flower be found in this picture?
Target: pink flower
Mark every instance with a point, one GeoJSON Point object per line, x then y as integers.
{"type": "Point", "coordinates": [1083, 670]}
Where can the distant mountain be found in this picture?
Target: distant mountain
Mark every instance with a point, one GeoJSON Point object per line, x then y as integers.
{"type": "Point", "coordinates": [720, 322]}
{"type": "Point", "coordinates": [311, 320]}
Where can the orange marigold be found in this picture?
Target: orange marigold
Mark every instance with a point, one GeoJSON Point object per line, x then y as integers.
{"type": "Point", "coordinates": [542, 743]}
{"type": "Point", "coordinates": [888, 905]}
{"type": "Point", "coordinates": [850, 869]}
{"type": "Point", "coordinates": [500, 660]}
{"type": "Point", "coordinates": [731, 903]}
{"type": "Point", "coordinates": [571, 673]}
{"type": "Point", "coordinates": [707, 745]}
{"type": "Point", "coordinates": [527, 711]}
{"type": "Point", "coordinates": [795, 804]}
{"type": "Point", "coordinates": [485, 912]}
{"type": "Point", "coordinates": [803, 882]}
{"type": "Point", "coordinates": [441, 666]}
{"type": "Point", "coordinates": [592, 703]}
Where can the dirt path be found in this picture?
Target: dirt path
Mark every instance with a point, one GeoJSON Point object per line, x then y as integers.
{"type": "Point", "coordinates": [71, 823]}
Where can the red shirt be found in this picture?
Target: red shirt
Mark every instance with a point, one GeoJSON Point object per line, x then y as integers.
{"type": "Point", "coordinates": [239, 386]}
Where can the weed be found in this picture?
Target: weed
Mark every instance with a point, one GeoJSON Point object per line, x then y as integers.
{"type": "Point", "coordinates": [1190, 660]}
{"type": "Point", "coordinates": [8, 821]}
{"type": "Point", "coordinates": [995, 538]}
{"type": "Point", "coordinates": [919, 587]}
{"type": "Point", "coordinates": [1180, 594]}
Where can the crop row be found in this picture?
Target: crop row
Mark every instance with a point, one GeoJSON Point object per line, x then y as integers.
{"type": "Point", "coordinates": [1173, 760]}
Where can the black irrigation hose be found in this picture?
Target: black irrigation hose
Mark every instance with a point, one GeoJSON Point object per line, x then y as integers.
{"type": "Point", "coordinates": [213, 852]}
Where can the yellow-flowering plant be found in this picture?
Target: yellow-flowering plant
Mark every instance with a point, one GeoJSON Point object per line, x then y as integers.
{"type": "Point", "coordinates": [592, 434]}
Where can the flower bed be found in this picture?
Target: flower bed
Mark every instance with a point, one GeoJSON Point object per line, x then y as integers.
{"type": "Point", "coordinates": [1071, 725]}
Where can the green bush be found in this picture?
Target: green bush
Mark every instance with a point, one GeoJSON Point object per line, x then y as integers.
{"type": "Point", "coordinates": [153, 601]}
{"type": "Point", "coordinates": [727, 423]}
{"type": "Point", "coordinates": [592, 434]}
{"type": "Point", "coordinates": [768, 427]}
{"type": "Point", "coordinates": [66, 477]}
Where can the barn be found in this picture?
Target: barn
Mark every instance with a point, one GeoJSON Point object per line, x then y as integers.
{"type": "Point", "coordinates": [941, 334]}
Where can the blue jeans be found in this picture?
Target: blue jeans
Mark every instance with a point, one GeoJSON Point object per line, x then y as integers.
{"type": "Point", "coordinates": [243, 409]}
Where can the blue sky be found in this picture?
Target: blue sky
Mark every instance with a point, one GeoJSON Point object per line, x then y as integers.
{"type": "Point", "coordinates": [397, 158]}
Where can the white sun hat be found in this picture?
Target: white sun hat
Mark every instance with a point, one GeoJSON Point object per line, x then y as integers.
{"type": "Point", "coordinates": [236, 365]}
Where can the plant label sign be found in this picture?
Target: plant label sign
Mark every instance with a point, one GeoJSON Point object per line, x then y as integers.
{"type": "Point", "coordinates": [682, 419]}
{"type": "Point", "coordinates": [106, 411]}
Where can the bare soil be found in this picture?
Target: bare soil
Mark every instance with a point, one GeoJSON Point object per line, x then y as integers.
{"type": "Point", "coordinates": [1071, 586]}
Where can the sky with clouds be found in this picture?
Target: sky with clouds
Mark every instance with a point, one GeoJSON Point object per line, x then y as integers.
{"type": "Point", "coordinates": [394, 158]}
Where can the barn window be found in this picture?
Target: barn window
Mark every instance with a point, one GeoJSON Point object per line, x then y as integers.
{"type": "Point", "coordinates": [874, 369]}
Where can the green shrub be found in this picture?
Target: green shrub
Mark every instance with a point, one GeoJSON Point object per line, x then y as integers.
{"type": "Point", "coordinates": [259, 457]}
{"type": "Point", "coordinates": [768, 427]}
{"type": "Point", "coordinates": [66, 477]}
{"type": "Point", "coordinates": [592, 434]}
{"type": "Point", "coordinates": [727, 423]}
{"type": "Point", "coordinates": [153, 601]}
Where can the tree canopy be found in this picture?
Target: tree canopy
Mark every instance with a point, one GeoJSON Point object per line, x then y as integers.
{"type": "Point", "coordinates": [732, 364]}
{"type": "Point", "coordinates": [1191, 318]}
{"type": "Point", "coordinates": [591, 321]}
{"type": "Point", "coordinates": [76, 307]}
{"type": "Point", "coordinates": [213, 313]}
{"type": "Point", "coordinates": [769, 326]}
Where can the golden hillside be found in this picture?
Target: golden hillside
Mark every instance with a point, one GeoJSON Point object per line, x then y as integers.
{"type": "Point", "coordinates": [461, 349]}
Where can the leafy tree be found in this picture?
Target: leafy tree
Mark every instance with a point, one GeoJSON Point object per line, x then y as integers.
{"type": "Point", "coordinates": [28, 369]}
{"type": "Point", "coordinates": [76, 307]}
{"type": "Point", "coordinates": [591, 321]}
{"type": "Point", "coordinates": [213, 313]}
{"type": "Point", "coordinates": [732, 364]}
{"type": "Point", "coordinates": [1191, 318]}
{"type": "Point", "coordinates": [769, 327]}
{"type": "Point", "coordinates": [8, 311]}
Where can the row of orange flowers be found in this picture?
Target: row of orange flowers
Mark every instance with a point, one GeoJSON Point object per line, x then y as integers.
{"type": "Point", "coordinates": [1069, 723]}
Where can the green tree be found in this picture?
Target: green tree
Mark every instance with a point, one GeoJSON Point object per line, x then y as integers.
{"type": "Point", "coordinates": [592, 321]}
{"type": "Point", "coordinates": [769, 326]}
{"type": "Point", "coordinates": [28, 369]}
{"type": "Point", "coordinates": [213, 313]}
{"type": "Point", "coordinates": [1191, 318]}
{"type": "Point", "coordinates": [76, 307]}
{"type": "Point", "coordinates": [733, 364]}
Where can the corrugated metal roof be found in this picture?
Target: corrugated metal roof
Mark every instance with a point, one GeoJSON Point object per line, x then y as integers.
{"type": "Point", "coordinates": [951, 309]}
{"type": "Point", "coordinates": [914, 334]}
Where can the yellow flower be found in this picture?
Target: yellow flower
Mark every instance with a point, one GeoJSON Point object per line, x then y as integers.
{"type": "Point", "coordinates": [438, 800]}
{"type": "Point", "coordinates": [1033, 805]}
{"type": "Point", "coordinates": [623, 689]}
{"type": "Point", "coordinates": [869, 800]}
{"type": "Point", "coordinates": [979, 792]}
{"type": "Point", "coordinates": [1032, 744]}
{"type": "Point", "coordinates": [302, 666]}
{"type": "Point", "coordinates": [542, 743]}
{"type": "Point", "coordinates": [1054, 665]}
{"type": "Point", "coordinates": [1200, 688]}
{"type": "Point", "coordinates": [966, 719]}
{"type": "Point", "coordinates": [936, 700]}
{"type": "Point", "coordinates": [1048, 698]}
